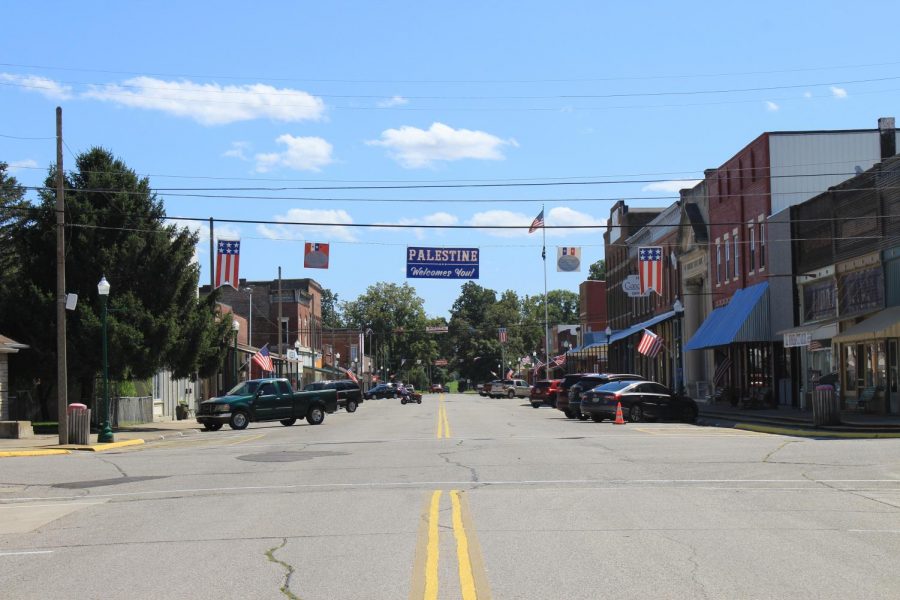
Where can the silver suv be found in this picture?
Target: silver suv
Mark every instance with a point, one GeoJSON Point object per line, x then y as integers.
{"type": "Point", "coordinates": [510, 388]}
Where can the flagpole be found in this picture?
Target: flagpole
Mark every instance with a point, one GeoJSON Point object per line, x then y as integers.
{"type": "Point", "coordinates": [546, 318]}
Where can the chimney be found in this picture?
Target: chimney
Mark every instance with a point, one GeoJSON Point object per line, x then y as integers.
{"type": "Point", "coordinates": [888, 135]}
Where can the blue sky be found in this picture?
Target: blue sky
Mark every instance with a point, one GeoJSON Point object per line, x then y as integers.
{"type": "Point", "coordinates": [299, 94]}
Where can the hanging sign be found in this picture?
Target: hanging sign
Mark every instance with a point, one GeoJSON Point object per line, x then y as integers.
{"type": "Point", "coordinates": [631, 285]}
{"type": "Point", "coordinates": [568, 259]}
{"type": "Point", "coordinates": [442, 263]}
{"type": "Point", "coordinates": [315, 255]}
{"type": "Point", "coordinates": [793, 340]}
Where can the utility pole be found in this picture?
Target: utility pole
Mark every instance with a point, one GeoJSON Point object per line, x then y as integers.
{"type": "Point", "coordinates": [212, 259]}
{"type": "Point", "coordinates": [62, 391]}
{"type": "Point", "coordinates": [280, 352]}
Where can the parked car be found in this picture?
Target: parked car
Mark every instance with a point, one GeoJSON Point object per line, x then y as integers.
{"type": "Point", "coordinates": [437, 388]}
{"type": "Point", "coordinates": [349, 396]}
{"type": "Point", "coordinates": [265, 400]}
{"type": "Point", "coordinates": [570, 403]}
{"type": "Point", "coordinates": [381, 390]}
{"type": "Point", "coordinates": [544, 392]}
{"type": "Point", "coordinates": [511, 388]}
{"type": "Point", "coordinates": [480, 389]}
{"type": "Point", "coordinates": [641, 401]}
{"type": "Point", "coordinates": [487, 387]}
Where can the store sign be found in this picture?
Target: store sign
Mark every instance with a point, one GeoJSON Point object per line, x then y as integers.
{"type": "Point", "coordinates": [442, 263]}
{"type": "Point", "coordinates": [441, 362]}
{"type": "Point", "coordinates": [443, 329]}
{"type": "Point", "coordinates": [819, 300]}
{"type": "Point", "coordinates": [631, 285]}
{"type": "Point", "coordinates": [861, 291]}
{"type": "Point", "coordinates": [794, 340]}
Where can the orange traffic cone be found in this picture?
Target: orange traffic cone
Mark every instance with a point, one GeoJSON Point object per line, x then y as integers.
{"type": "Point", "coordinates": [619, 420]}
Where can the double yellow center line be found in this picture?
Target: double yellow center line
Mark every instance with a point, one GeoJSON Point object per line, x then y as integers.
{"type": "Point", "coordinates": [473, 582]}
{"type": "Point", "coordinates": [443, 425]}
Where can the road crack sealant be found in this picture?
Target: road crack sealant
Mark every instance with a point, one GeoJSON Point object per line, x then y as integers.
{"type": "Point", "coordinates": [289, 570]}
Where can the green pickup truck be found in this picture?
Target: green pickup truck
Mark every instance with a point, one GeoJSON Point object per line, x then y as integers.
{"type": "Point", "coordinates": [265, 400]}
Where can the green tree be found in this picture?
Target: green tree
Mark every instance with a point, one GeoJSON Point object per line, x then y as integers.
{"type": "Point", "coordinates": [396, 316]}
{"type": "Point", "coordinates": [475, 351]}
{"type": "Point", "coordinates": [116, 229]}
{"type": "Point", "coordinates": [331, 310]}
{"type": "Point", "coordinates": [13, 211]}
{"type": "Point", "coordinates": [598, 270]}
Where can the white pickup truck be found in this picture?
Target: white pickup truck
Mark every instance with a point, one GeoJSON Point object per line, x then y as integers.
{"type": "Point", "coordinates": [510, 388]}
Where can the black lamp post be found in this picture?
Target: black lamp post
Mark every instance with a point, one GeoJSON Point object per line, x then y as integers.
{"type": "Point", "coordinates": [235, 326]}
{"type": "Point", "coordinates": [678, 307]}
{"type": "Point", "coordinates": [106, 435]}
{"type": "Point", "coordinates": [608, 333]}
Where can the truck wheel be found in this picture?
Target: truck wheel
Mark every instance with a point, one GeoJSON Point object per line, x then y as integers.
{"type": "Point", "coordinates": [315, 416]}
{"type": "Point", "coordinates": [511, 394]}
{"type": "Point", "coordinates": [288, 422]}
{"type": "Point", "coordinates": [536, 404]}
{"type": "Point", "coordinates": [351, 405]}
{"type": "Point", "coordinates": [239, 420]}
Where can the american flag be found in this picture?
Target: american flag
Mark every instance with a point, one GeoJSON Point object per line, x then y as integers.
{"type": "Point", "coordinates": [263, 359]}
{"type": "Point", "coordinates": [509, 374]}
{"type": "Point", "coordinates": [537, 367]}
{"type": "Point", "coordinates": [650, 344]}
{"type": "Point", "coordinates": [350, 374]}
{"type": "Point", "coordinates": [559, 360]}
{"type": "Point", "coordinates": [650, 265]}
{"type": "Point", "coordinates": [503, 338]}
{"type": "Point", "coordinates": [537, 223]}
{"type": "Point", "coordinates": [227, 259]}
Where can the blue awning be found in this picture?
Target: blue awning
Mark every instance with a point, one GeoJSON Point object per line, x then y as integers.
{"type": "Point", "coordinates": [744, 319]}
{"type": "Point", "coordinates": [591, 339]}
{"type": "Point", "coordinates": [624, 333]}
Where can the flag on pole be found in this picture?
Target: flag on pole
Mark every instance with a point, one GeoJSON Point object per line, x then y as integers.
{"type": "Point", "coordinates": [650, 265]}
{"type": "Point", "coordinates": [263, 359]}
{"type": "Point", "coordinates": [650, 344]}
{"type": "Point", "coordinates": [537, 223]}
{"type": "Point", "coordinates": [537, 367]}
{"type": "Point", "coordinates": [503, 336]}
{"type": "Point", "coordinates": [559, 360]}
{"type": "Point", "coordinates": [350, 374]}
{"type": "Point", "coordinates": [509, 374]}
{"type": "Point", "coordinates": [227, 259]}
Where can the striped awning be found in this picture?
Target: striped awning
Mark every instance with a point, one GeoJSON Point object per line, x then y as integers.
{"type": "Point", "coordinates": [883, 324]}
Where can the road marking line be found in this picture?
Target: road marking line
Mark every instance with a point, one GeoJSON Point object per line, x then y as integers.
{"type": "Point", "coordinates": [446, 421]}
{"type": "Point", "coordinates": [26, 553]}
{"type": "Point", "coordinates": [432, 556]}
{"type": "Point", "coordinates": [440, 422]}
{"type": "Point", "coordinates": [249, 439]}
{"type": "Point", "coordinates": [466, 581]}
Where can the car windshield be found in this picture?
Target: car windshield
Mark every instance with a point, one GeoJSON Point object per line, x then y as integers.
{"type": "Point", "coordinates": [245, 388]}
{"type": "Point", "coordinates": [613, 386]}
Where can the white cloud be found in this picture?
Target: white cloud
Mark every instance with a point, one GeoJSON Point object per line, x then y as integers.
{"type": "Point", "coordinates": [670, 186]}
{"type": "Point", "coordinates": [839, 93]}
{"type": "Point", "coordinates": [211, 103]}
{"type": "Point", "coordinates": [560, 215]}
{"type": "Point", "coordinates": [305, 215]}
{"type": "Point", "coordinates": [393, 101]}
{"type": "Point", "coordinates": [18, 165]}
{"type": "Point", "coordinates": [807, 94]}
{"type": "Point", "coordinates": [416, 148]}
{"type": "Point", "coordinates": [771, 106]}
{"type": "Point", "coordinates": [237, 150]}
{"type": "Point", "coordinates": [302, 154]}
{"type": "Point", "coordinates": [438, 218]}
{"type": "Point", "coordinates": [41, 85]}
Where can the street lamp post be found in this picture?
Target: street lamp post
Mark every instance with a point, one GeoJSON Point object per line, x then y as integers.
{"type": "Point", "coordinates": [106, 435]}
{"type": "Point", "coordinates": [297, 350]}
{"type": "Point", "coordinates": [608, 333]}
{"type": "Point", "coordinates": [337, 360]}
{"type": "Point", "coordinates": [235, 326]}
{"type": "Point", "coordinates": [678, 307]}
{"type": "Point", "coordinates": [250, 318]}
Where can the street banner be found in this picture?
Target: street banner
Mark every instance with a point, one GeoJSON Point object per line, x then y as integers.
{"type": "Point", "coordinates": [650, 266]}
{"type": "Point", "coordinates": [228, 258]}
{"type": "Point", "coordinates": [502, 335]}
{"type": "Point", "coordinates": [315, 255]}
{"type": "Point", "coordinates": [442, 263]}
{"type": "Point", "coordinates": [568, 259]}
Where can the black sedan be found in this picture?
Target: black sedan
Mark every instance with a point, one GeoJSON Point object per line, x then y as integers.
{"type": "Point", "coordinates": [641, 401]}
{"type": "Point", "coordinates": [382, 390]}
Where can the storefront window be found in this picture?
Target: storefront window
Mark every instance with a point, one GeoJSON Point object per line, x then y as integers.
{"type": "Point", "coordinates": [850, 367]}
{"type": "Point", "coordinates": [880, 365]}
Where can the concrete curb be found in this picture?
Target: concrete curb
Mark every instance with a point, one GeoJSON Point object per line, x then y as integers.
{"type": "Point", "coordinates": [103, 447]}
{"type": "Point", "coordinates": [38, 452]}
{"type": "Point", "coordinates": [817, 433]}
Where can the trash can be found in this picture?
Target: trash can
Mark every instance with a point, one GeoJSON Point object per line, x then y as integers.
{"type": "Point", "coordinates": [826, 408]}
{"type": "Point", "coordinates": [79, 418]}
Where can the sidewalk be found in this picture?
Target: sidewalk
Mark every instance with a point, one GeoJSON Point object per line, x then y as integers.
{"type": "Point", "coordinates": [789, 417]}
{"type": "Point", "coordinates": [46, 444]}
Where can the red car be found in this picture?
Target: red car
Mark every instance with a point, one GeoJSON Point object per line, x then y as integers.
{"type": "Point", "coordinates": [544, 392]}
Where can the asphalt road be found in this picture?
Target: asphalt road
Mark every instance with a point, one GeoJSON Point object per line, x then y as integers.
{"type": "Point", "coordinates": [459, 497]}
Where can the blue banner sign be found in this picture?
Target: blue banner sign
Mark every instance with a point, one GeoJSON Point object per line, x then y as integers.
{"type": "Point", "coordinates": [442, 263]}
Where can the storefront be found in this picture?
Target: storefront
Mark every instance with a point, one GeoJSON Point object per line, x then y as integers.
{"type": "Point", "coordinates": [665, 366]}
